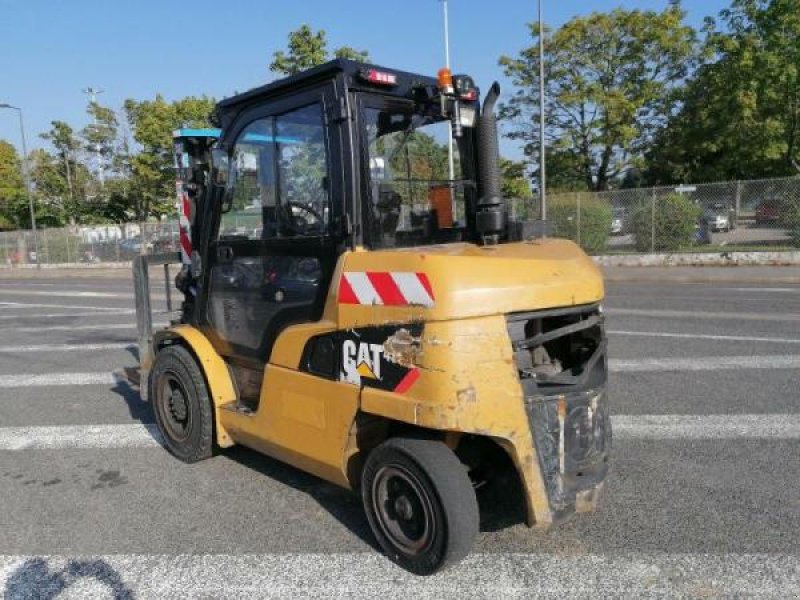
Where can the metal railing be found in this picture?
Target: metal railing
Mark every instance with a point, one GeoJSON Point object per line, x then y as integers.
{"type": "Point", "coordinates": [739, 215]}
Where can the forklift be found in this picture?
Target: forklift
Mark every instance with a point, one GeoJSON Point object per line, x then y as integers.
{"type": "Point", "coordinates": [355, 306]}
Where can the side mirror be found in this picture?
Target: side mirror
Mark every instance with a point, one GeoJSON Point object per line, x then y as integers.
{"type": "Point", "coordinates": [220, 165]}
{"type": "Point", "coordinates": [220, 169]}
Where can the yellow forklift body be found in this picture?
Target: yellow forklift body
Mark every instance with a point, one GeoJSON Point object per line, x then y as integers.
{"type": "Point", "coordinates": [467, 379]}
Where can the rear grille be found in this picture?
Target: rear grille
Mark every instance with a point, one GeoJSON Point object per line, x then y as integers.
{"type": "Point", "coordinates": [560, 356]}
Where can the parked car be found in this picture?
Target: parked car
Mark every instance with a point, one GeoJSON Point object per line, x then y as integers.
{"type": "Point", "coordinates": [292, 279]}
{"type": "Point", "coordinates": [768, 212]}
{"type": "Point", "coordinates": [718, 218]}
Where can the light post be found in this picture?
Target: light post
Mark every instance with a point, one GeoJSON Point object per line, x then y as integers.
{"type": "Point", "coordinates": [542, 177]}
{"type": "Point", "coordinates": [27, 177]}
{"type": "Point", "coordinates": [450, 165]}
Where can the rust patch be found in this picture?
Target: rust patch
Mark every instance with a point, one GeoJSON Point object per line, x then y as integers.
{"type": "Point", "coordinates": [402, 348]}
{"type": "Point", "coordinates": [467, 396]}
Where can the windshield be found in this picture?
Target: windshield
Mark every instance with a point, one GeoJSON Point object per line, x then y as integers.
{"type": "Point", "coordinates": [412, 198]}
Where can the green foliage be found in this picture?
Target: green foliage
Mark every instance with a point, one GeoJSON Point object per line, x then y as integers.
{"type": "Point", "coordinates": [740, 114]}
{"type": "Point", "coordinates": [590, 229]}
{"type": "Point", "coordinates": [514, 183]}
{"type": "Point", "coordinates": [12, 189]}
{"type": "Point", "coordinates": [151, 188]}
{"type": "Point", "coordinates": [306, 49]}
{"type": "Point", "coordinates": [609, 84]}
{"type": "Point", "coordinates": [100, 136]}
{"type": "Point", "coordinates": [674, 223]}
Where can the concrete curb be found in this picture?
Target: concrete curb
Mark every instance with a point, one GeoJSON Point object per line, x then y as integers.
{"type": "Point", "coordinates": [722, 259]}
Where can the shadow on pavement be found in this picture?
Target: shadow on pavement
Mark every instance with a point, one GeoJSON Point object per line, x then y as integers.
{"type": "Point", "coordinates": [35, 579]}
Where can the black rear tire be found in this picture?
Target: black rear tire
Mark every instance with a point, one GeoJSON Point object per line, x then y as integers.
{"type": "Point", "coordinates": [420, 504]}
{"type": "Point", "coordinates": [181, 404]}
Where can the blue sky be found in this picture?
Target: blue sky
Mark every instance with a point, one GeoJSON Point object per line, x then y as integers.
{"type": "Point", "coordinates": [52, 49]}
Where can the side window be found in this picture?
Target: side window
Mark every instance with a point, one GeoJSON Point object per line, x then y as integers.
{"type": "Point", "coordinates": [252, 185]}
{"type": "Point", "coordinates": [303, 187]}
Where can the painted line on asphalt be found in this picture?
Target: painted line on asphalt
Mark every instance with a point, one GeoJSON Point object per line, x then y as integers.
{"type": "Point", "coordinates": [705, 427]}
{"type": "Point", "coordinates": [25, 305]}
{"type": "Point", "coordinates": [73, 327]}
{"type": "Point", "coordinates": [705, 363]}
{"type": "Point", "coordinates": [66, 293]}
{"type": "Point", "coordinates": [696, 336]}
{"type": "Point", "coordinates": [59, 437]}
{"type": "Point", "coordinates": [617, 365]}
{"type": "Point", "coordinates": [625, 427]}
{"type": "Point", "coordinates": [67, 347]}
{"type": "Point", "coordinates": [694, 314]}
{"type": "Point", "coordinates": [121, 311]}
{"type": "Point", "coordinates": [59, 379]}
{"type": "Point", "coordinates": [370, 575]}
{"type": "Point", "coordinates": [769, 290]}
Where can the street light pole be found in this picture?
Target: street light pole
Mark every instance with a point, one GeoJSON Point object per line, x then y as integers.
{"type": "Point", "coordinates": [542, 176]}
{"type": "Point", "coordinates": [450, 165]}
{"type": "Point", "coordinates": [27, 177]}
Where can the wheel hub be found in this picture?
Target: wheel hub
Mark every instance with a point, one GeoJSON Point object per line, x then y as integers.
{"type": "Point", "coordinates": [172, 404]}
{"type": "Point", "coordinates": [177, 405]}
{"type": "Point", "coordinates": [403, 509]}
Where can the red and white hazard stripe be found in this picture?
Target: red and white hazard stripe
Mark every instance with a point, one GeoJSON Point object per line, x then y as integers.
{"type": "Point", "coordinates": [394, 288]}
{"type": "Point", "coordinates": [185, 226]}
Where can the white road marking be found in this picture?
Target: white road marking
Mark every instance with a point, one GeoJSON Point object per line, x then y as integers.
{"type": "Point", "coordinates": [65, 293]}
{"type": "Point", "coordinates": [704, 427]}
{"type": "Point", "coordinates": [697, 336]}
{"type": "Point", "coordinates": [21, 305]}
{"type": "Point", "coordinates": [795, 290]}
{"type": "Point", "coordinates": [71, 293]}
{"type": "Point", "coordinates": [370, 575]}
{"type": "Point", "coordinates": [625, 427]}
{"type": "Point", "coordinates": [65, 347]}
{"type": "Point", "coordinates": [618, 365]}
{"type": "Point", "coordinates": [705, 363]}
{"type": "Point", "coordinates": [79, 436]}
{"type": "Point", "coordinates": [695, 314]}
{"type": "Point", "coordinates": [59, 379]}
{"type": "Point", "coordinates": [121, 311]}
{"type": "Point", "coordinates": [73, 327]}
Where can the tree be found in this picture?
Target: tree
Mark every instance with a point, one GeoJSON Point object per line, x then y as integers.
{"type": "Point", "coordinates": [514, 183]}
{"type": "Point", "coordinates": [610, 83]}
{"type": "Point", "coordinates": [740, 113]}
{"type": "Point", "coordinates": [63, 140]}
{"type": "Point", "coordinates": [12, 189]}
{"type": "Point", "coordinates": [307, 49]}
{"type": "Point", "coordinates": [152, 186]}
{"type": "Point", "coordinates": [101, 136]}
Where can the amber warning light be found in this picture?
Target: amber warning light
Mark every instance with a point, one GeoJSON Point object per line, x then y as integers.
{"type": "Point", "coordinates": [379, 77]}
{"type": "Point", "coordinates": [445, 80]}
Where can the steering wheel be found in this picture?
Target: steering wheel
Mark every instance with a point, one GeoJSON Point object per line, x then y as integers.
{"type": "Point", "coordinates": [299, 224]}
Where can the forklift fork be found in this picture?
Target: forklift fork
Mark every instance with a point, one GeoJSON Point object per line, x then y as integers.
{"type": "Point", "coordinates": [144, 310]}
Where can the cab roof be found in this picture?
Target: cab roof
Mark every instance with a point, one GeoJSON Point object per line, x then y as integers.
{"type": "Point", "coordinates": [226, 109]}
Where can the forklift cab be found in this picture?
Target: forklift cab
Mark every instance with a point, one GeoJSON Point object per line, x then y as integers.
{"type": "Point", "coordinates": [341, 157]}
{"type": "Point", "coordinates": [359, 309]}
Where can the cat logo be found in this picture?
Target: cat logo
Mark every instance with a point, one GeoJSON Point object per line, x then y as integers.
{"type": "Point", "coordinates": [360, 359]}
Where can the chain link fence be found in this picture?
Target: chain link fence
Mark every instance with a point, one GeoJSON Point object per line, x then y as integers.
{"type": "Point", "coordinates": [740, 215]}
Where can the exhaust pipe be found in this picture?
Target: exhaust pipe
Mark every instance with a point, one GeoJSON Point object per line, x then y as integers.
{"type": "Point", "coordinates": [490, 216]}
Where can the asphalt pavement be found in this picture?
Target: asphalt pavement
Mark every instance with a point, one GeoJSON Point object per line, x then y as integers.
{"type": "Point", "coordinates": [702, 500]}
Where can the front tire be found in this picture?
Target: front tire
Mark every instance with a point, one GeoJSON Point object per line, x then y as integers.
{"type": "Point", "coordinates": [420, 504]}
{"type": "Point", "coordinates": [182, 405]}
